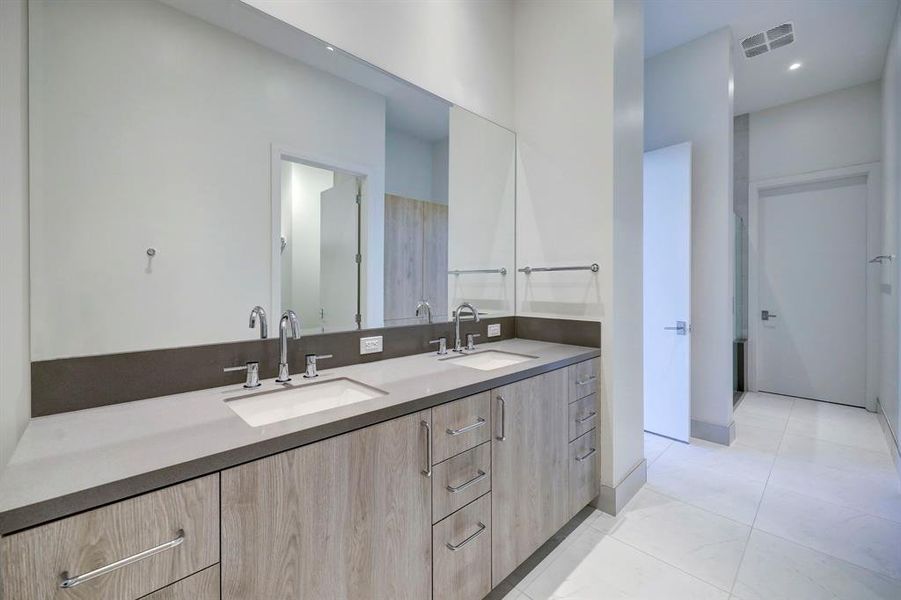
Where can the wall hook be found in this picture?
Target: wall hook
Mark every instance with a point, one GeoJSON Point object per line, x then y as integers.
{"type": "Point", "coordinates": [151, 252]}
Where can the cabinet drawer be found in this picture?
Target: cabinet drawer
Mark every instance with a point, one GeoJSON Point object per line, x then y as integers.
{"type": "Point", "coordinates": [459, 480]}
{"type": "Point", "coordinates": [180, 522]}
{"type": "Point", "coordinates": [584, 483]}
{"type": "Point", "coordinates": [460, 425]}
{"type": "Point", "coordinates": [583, 379]}
{"type": "Point", "coordinates": [582, 416]}
{"type": "Point", "coordinates": [461, 551]}
{"type": "Point", "coordinates": [199, 586]}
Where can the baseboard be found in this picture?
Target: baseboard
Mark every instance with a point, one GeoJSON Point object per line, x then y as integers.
{"type": "Point", "coordinates": [890, 438]}
{"type": "Point", "coordinates": [718, 434]}
{"type": "Point", "coordinates": [611, 500]}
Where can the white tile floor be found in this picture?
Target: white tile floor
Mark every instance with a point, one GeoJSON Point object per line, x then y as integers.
{"type": "Point", "coordinates": [806, 504]}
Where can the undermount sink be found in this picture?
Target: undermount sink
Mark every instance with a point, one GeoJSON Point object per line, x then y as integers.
{"type": "Point", "coordinates": [290, 402]}
{"type": "Point", "coordinates": [488, 360]}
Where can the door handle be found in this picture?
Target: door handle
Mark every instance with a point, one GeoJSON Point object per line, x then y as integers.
{"type": "Point", "coordinates": [766, 315]}
{"type": "Point", "coordinates": [681, 328]}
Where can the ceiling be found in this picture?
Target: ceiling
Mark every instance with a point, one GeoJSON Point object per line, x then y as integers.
{"type": "Point", "coordinates": [840, 43]}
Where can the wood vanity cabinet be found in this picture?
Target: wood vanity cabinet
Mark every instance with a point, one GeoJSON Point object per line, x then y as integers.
{"type": "Point", "coordinates": [180, 522]}
{"type": "Point", "coordinates": [347, 517]}
{"type": "Point", "coordinates": [529, 466]}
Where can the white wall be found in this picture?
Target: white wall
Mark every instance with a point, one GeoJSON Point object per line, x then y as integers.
{"type": "Point", "coordinates": [461, 51]}
{"type": "Point", "coordinates": [15, 371]}
{"type": "Point", "coordinates": [413, 167]}
{"type": "Point", "coordinates": [891, 274]}
{"type": "Point", "coordinates": [157, 135]}
{"type": "Point", "coordinates": [481, 212]}
{"type": "Point", "coordinates": [578, 123]}
{"type": "Point", "coordinates": [834, 130]}
{"type": "Point", "coordinates": [688, 97]}
{"type": "Point", "coordinates": [301, 227]}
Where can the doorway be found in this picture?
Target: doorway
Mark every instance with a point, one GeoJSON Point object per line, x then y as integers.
{"type": "Point", "coordinates": [812, 324]}
{"type": "Point", "coordinates": [317, 244]}
{"type": "Point", "coordinates": [667, 291]}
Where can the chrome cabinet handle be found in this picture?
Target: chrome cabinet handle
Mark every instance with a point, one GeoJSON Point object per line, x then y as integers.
{"type": "Point", "coordinates": [479, 531]}
{"type": "Point", "coordinates": [71, 582]}
{"type": "Point", "coordinates": [502, 404]}
{"type": "Point", "coordinates": [586, 455]}
{"type": "Point", "coordinates": [428, 451]}
{"type": "Point", "coordinates": [479, 422]}
{"type": "Point", "coordinates": [586, 417]}
{"type": "Point", "coordinates": [456, 490]}
{"type": "Point", "coordinates": [588, 379]}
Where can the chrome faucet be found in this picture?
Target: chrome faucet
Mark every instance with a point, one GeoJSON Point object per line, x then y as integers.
{"type": "Point", "coordinates": [458, 343]}
{"type": "Point", "coordinates": [424, 306]}
{"type": "Point", "coordinates": [289, 318]}
{"type": "Point", "coordinates": [257, 311]}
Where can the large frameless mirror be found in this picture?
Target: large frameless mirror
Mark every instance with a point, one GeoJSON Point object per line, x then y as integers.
{"type": "Point", "coordinates": [192, 159]}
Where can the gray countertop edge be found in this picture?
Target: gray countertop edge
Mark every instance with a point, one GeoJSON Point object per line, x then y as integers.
{"type": "Point", "coordinates": [39, 513]}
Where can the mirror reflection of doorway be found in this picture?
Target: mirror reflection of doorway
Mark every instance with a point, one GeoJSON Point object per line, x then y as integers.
{"type": "Point", "coordinates": [319, 245]}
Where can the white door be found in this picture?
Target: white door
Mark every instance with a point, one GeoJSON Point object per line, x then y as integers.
{"type": "Point", "coordinates": [667, 291]}
{"type": "Point", "coordinates": [338, 251]}
{"type": "Point", "coordinates": [812, 294]}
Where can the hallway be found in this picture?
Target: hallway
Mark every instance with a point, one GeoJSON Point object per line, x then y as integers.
{"type": "Point", "coordinates": [805, 504]}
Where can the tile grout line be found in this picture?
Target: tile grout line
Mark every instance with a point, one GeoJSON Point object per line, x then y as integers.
{"type": "Point", "coordinates": [766, 484]}
{"type": "Point", "coordinates": [669, 564]}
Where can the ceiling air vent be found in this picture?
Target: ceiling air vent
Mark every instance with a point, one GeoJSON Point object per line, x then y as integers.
{"type": "Point", "coordinates": [776, 37]}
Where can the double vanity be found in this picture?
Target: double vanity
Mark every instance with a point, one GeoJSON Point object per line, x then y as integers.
{"type": "Point", "coordinates": [424, 476]}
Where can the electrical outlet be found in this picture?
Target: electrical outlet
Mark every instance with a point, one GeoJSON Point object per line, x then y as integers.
{"type": "Point", "coordinates": [494, 329]}
{"type": "Point", "coordinates": [371, 345]}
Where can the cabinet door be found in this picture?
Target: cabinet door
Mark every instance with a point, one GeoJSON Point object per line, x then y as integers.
{"type": "Point", "coordinates": [434, 258]}
{"type": "Point", "coordinates": [348, 517]}
{"type": "Point", "coordinates": [529, 468]}
{"type": "Point", "coordinates": [199, 586]}
{"type": "Point", "coordinates": [403, 259]}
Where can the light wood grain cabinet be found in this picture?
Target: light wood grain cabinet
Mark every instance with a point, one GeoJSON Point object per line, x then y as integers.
{"type": "Point", "coordinates": [460, 425]}
{"type": "Point", "coordinates": [584, 378]}
{"type": "Point", "coordinates": [461, 545]}
{"type": "Point", "coordinates": [583, 416]}
{"type": "Point", "coordinates": [529, 487]}
{"type": "Point", "coordinates": [181, 522]}
{"type": "Point", "coordinates": [348, 517]}
{"type": "Point", "coordinates": [584, 479]}
{"type": "Point", "coordinates": [460, 480]}
{"type": "Point", "coordinates": [199, 586]}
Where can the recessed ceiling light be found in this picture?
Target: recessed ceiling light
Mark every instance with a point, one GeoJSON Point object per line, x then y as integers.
{"type": "Point", "coordinates": [331, 49]}
{"type": "Point", "coordinates": [794, 66]}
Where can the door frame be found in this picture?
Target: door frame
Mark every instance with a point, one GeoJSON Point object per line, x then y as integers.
{"type": "Point", "coordinates": [278, 153]}
{"type": "Point", "coordinates": [873, 174]}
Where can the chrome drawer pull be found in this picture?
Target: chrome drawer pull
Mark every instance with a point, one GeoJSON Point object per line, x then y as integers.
{"type": "Point", "coordinates": [479, 422]}
{"type": "Point", "coordinates": [71, 582]}
{"type": "Point", "coordinates": [586, 380]}
{"type": "Point", "coordinates": [454, 548]}
{"type": "Point", "coordinates": [502, 406]}
{"type": "Point", "coordinates": [428, 448]}
{"type": "Point", "coordinates": [586, 417]}
{"type": "Point", "coordinates": [587, 454]}
{"type": "Point", "coordinates": [454, 490]}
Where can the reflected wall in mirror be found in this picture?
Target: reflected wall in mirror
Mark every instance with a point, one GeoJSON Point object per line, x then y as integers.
{"type": "Point", "coordinates": [191, 159]}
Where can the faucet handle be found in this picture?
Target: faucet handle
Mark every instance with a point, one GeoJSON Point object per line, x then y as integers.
{"type": "Point", "coordinates": [442, 345]}
{"type": "Point", "coordinates": [311, 360]}
{"type": "Point", "coordinates": [253, 373]}
{"type": "Point", "coordinates": [470, 340]}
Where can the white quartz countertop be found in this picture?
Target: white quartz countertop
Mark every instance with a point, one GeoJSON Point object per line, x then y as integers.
{"type": "Point", "coordinates": [70, 462]}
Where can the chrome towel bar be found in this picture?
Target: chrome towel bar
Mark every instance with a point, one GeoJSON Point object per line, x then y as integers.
{"type": "Point", "coordinates": [593, 267]}
{"type": "Point", "coordinates": [502, 271]}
